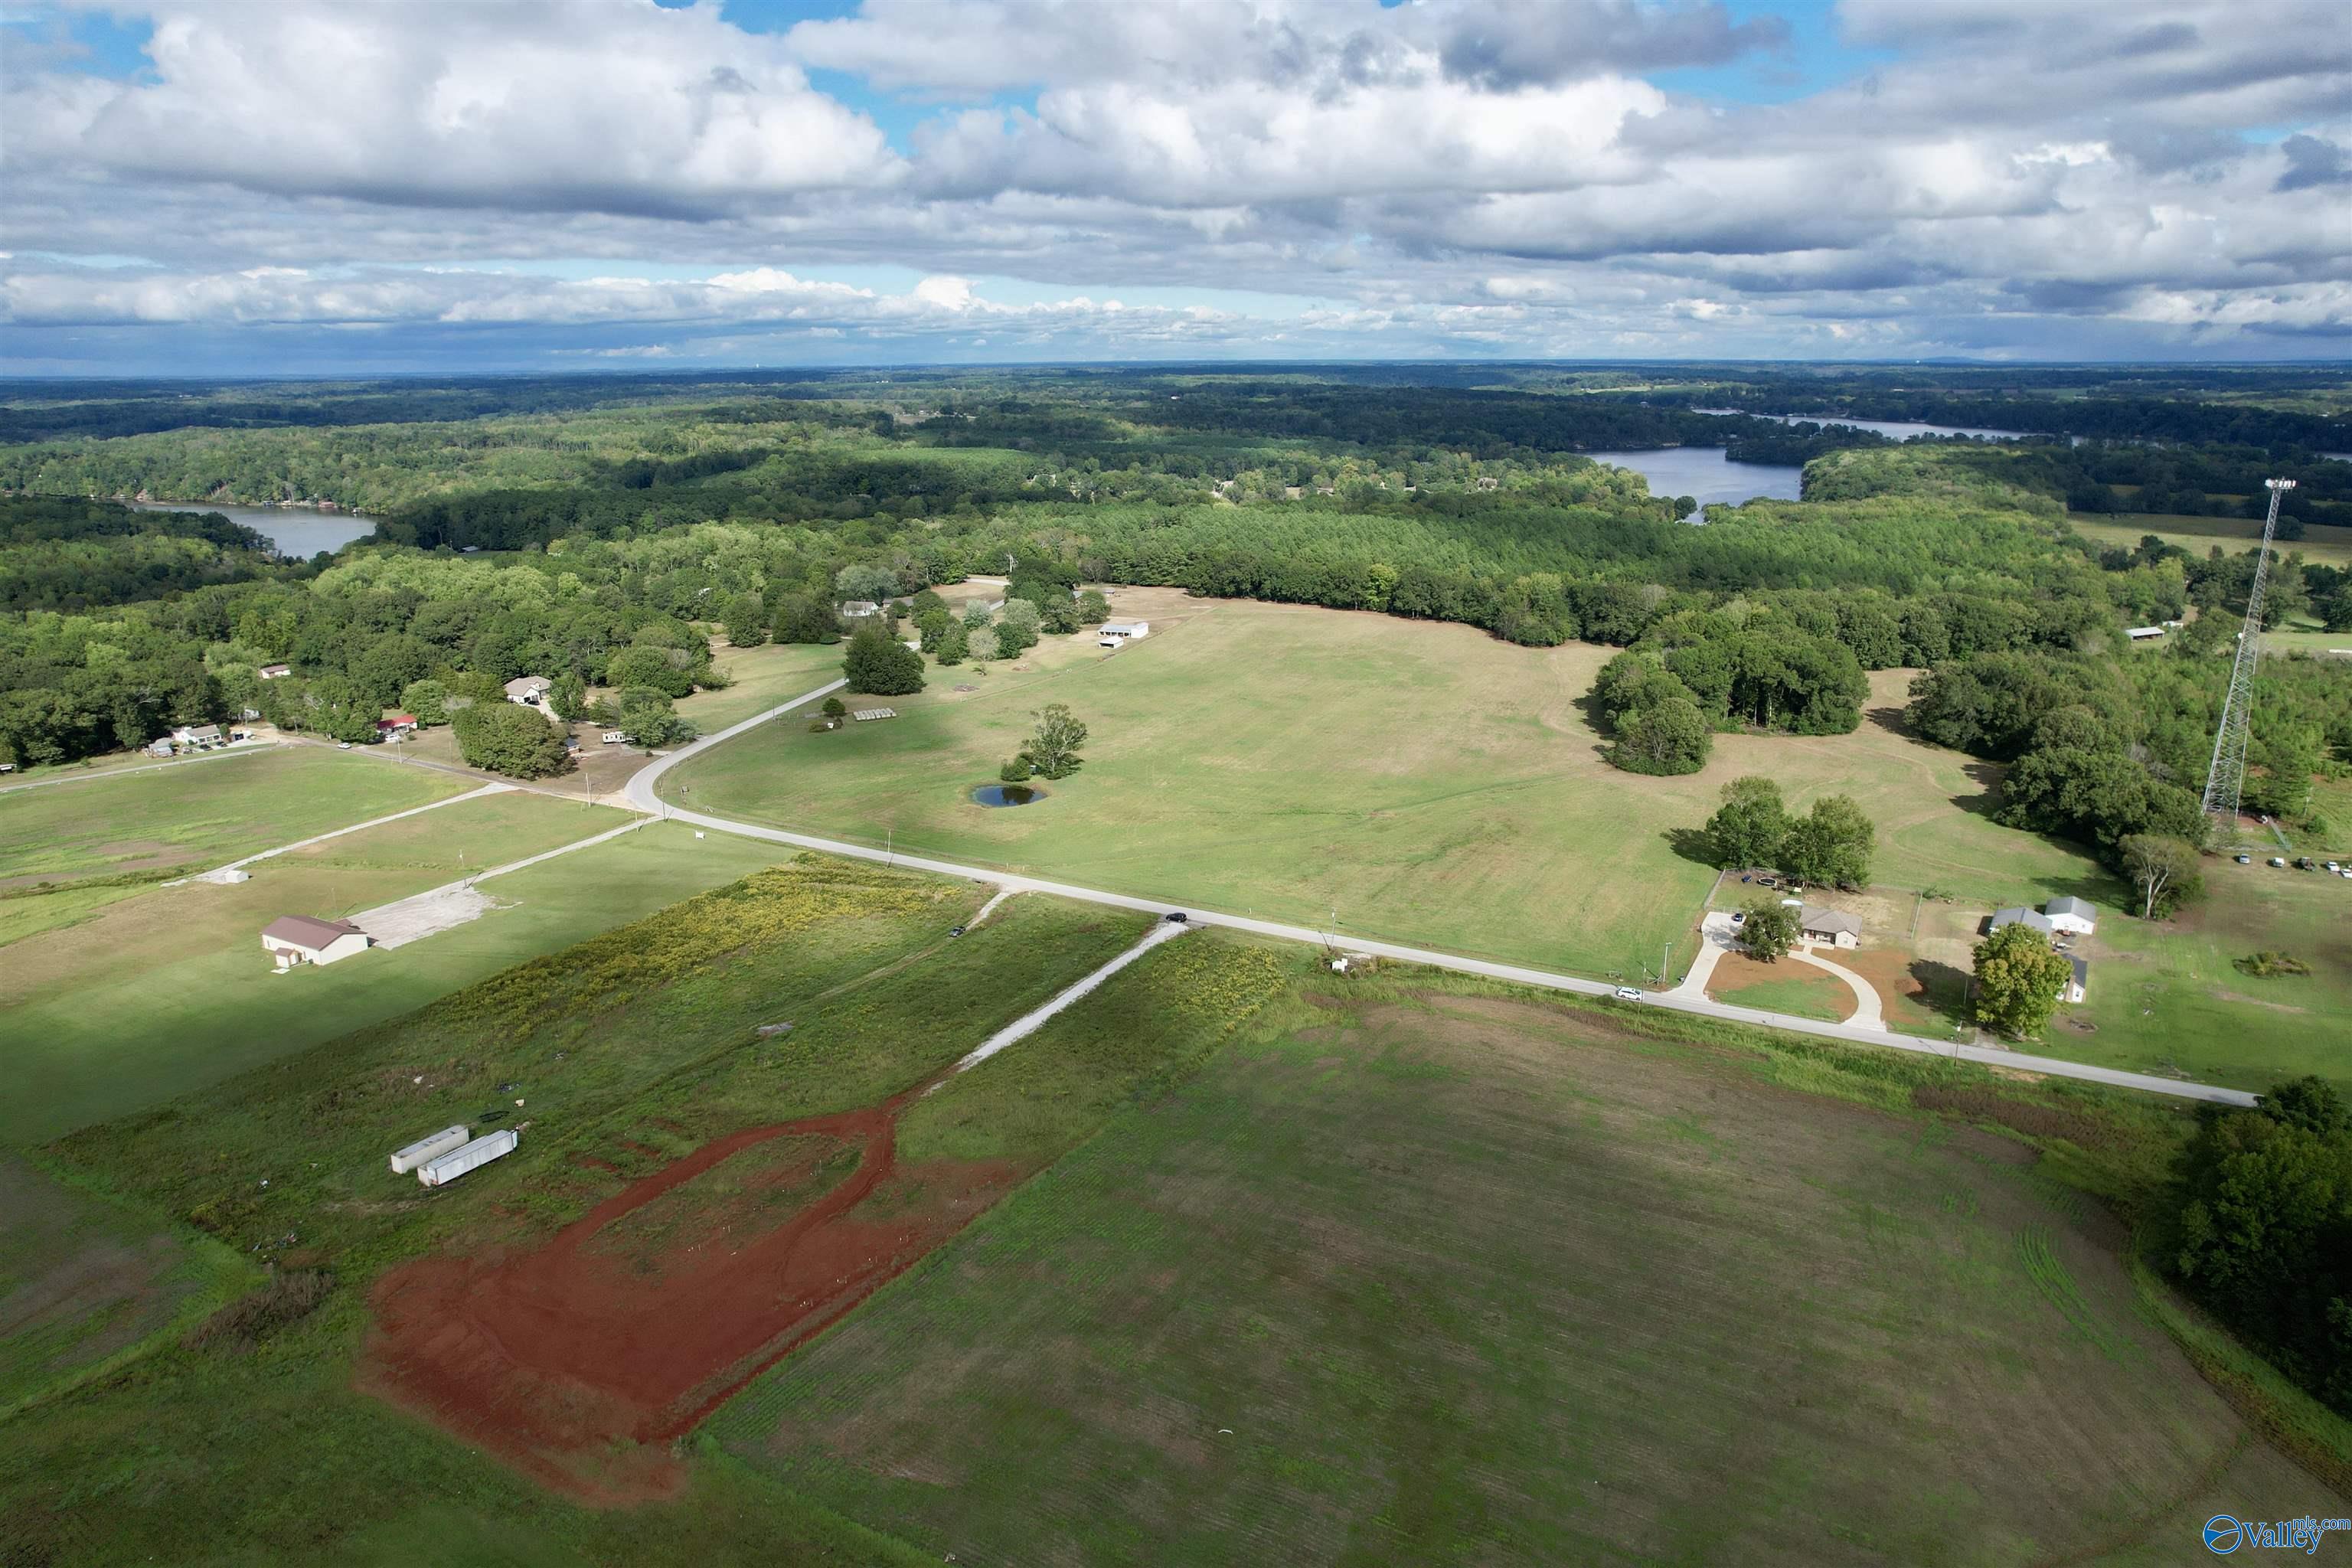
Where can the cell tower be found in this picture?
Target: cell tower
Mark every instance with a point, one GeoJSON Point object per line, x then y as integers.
{"type": "Point", "coordinates": [2225, 781]}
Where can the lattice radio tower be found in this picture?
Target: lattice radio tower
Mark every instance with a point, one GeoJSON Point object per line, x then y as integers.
{"type": "Point", "coordinates": [2225, 781]}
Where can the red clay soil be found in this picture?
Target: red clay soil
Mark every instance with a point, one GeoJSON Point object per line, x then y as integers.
{"type": "Point", "coordinates": [578, 1368]}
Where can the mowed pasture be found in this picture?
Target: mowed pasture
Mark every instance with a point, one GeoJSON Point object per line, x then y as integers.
{"type": "Point", "coordinates": [1420, 1274]}
{"type": "Point", "coordinates": [2320, 544]}
{"type": "Point", "coordinates": [1428, 783]}
{"type": "Point", "coordinates": [91, 1033]}
{"type": "Point", "coordinates": [192, 815]}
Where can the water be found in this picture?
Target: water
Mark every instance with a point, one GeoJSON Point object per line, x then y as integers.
{"type": "Point", "coordinates": [1006, 794]}
{"type": "Point", "coordinates": [1706, 476]}
{"type": "Point", "coordinates": [1894, 429]}
{"type": "Point", "coordinates": [295, 530]}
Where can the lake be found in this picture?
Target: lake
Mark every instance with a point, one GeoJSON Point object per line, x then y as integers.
{"type": "Point", "coordinates": [1896, 429]}
{"type": "Point", "coordinates": [294, 530]}
{"type": "Point", "coordinates": [1706, 476]}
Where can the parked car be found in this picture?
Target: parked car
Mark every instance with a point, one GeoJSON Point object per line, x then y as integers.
{"type": "Point", "coordinates": [1177, 917]}
{"type": "Point", "coordinates": [2246, 860]}
{"type": "Point", "coordinates": [1740, 918]}
{"type": "Point", "coordinates": [955, 931]}
{"type": "Point", "coordinates": [1627, 993]}
{"type": "Point", "coordinates": [2279, 861]}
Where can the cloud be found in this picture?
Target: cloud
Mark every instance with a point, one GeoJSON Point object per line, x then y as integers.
{"type": "Point", "coordinates": [1441, 176]}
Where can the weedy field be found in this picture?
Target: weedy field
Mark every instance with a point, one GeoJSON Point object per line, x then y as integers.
{"type": "Point", "coordinates": [1414, 1273]}
{"type": "Point", "coordinates": [1428, 783]}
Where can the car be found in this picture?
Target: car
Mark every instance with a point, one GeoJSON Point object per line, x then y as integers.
{"type": "Point", "coordinates": [1741, 918]}
{"type": "Point", "coordinates": [2246, 860]}
{"type": "Point", "coordinates": [1177, 917]}
{"type": "Point", "coordinates": [1628, 993]}
{"type": "Point", "coordinates": [343, 745]}
{"type": "Point", "coordinates": [955, 931]}
{"type": "Point", "coordinates": [2278, 862]}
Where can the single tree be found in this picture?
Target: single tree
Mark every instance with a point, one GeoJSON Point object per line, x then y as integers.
{"type": "Point", "coordinates": [880, 664]}
{"type": "Point", "coordinates": [982, 644]}
{"type": "Point", "coordinates": [511, 738]}
{"type": "Point", "coordinates": [746, 620]}
{"type": "Point", "coordinates": [425, 701]}
{"type": "Point", "coordinates": [1059, 617]}
{"type": "Point", "coordinates": [976, 616]}
{"type": "Point", "coordinates": [1018, 770]}
{"type": "Point", "coordinates": [1668, 737]}
{"type": "Point", "coordinates": [2164, 869]}
{"type": "Point", "coordinates": [1093, 608]}
{"type": "Point", "coordinates": [1829, 845]}
{"type": "Point", "coordinates": [1053, 748]}
{"type": "Point", "coordinates": [1769, 931]}
{"type": "Point", "coordinates": [835, 708]}
{"type": "Point", "coordinates": [1747, 829]}
{"type": "Point", "coordinates": [2020, 979]}
{"type": "Point", "coordinates": [569, 696]}
{"type": "Point", "coordinates": [874, 584]}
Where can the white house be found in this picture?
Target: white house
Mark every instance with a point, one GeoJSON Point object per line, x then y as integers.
{"type": "Point", "coordinates": [2078, 915]}
{"type": "Point", "coordinates": [1831, 926]}
{"type": "Point", "coordinates": [2078, 983]}
{"type": "Point", "coordinates": [859, 609]}
{"type": "Point", "coordinates": [2019, 915]}
{"type": "Point", "coordinates": [198, 735]}
{"type": "Point", "coordinates": [530, 690]}
{"type": "Point", "coordinates": [1127, 631]}
{"type": "Point", "coordinates": [276, 671]}
{"type": "Point", "coordinates": [298, 939]}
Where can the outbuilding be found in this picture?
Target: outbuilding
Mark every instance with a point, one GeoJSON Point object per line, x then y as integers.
{"type": "Point", "coordinates": [1127, 631]}
{"type": "Point", "coordinates": [2019, 915]}
{"type": "Point", "coordinates": [393, 724]}
{"type": "Point", "coordinates": [276, 671]}
{"type": "Point", "coordinates": [1834, 927]}
{"type": "Point", "coordinates": [2144, 634]}
{"type": "Point", "coordinates": [2079, 982]}
{"type": "Point", "coordinates": [294, 940]}
{"type": "Point", "coordinates": [2078, 915]}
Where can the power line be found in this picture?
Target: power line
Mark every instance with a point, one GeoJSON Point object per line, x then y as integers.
{"type": "Point", "coordinates": [2225, 781]}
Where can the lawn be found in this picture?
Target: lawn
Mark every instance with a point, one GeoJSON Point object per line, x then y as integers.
{"type": "Point", "coordinates": [1427, 783]}
{"type": "Point", "coordinates": [193, 815]}
{"type": "Point", "coordinates": [2320, 545]}
{"type": "Point", "coordinates": [764, 675]}
{"type": "Point", "coordinates": [90, 1036]}
{"type": "Point", "coordinates": [1414, 1276]}
{"type": "Point", "coordinates": [2168, 995]}
{"type": "Point", "coordinates": [1786, 985]}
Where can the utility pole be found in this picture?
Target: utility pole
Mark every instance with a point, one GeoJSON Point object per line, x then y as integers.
{"type": "Point", "coordinates": [2225, 780]}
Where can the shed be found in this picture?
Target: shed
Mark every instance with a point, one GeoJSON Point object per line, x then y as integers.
{"type": "Point", "coordinates": [276, 671]}
{"type": "Point", "coordinates": [2144, 634]}
{"type": "Point", "coordinates": [2019, 915]}
{"type": "Point", "coordinates": [2078, 985]}
{"type": "Point", "coordinates": [1127, 631]}
{"type": "Point", "coordinates": [2078, 915]}
{"type": "Point", "coordinates": [1832, 926]}
{"type": "Point", "coordinates": [300, 939]}
{"type": "Point", "coordinates": [530, 690]}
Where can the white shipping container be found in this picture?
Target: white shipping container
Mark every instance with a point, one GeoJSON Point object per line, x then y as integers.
{"type": "Point", "coordinates": [423, 1149]}
{"type": "Point", "coordinates": [472, 1157]}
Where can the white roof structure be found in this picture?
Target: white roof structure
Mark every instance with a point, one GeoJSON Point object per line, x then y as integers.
{"type": "Point", "coordinates": [525, 684]}
{"type": "Point", "coordinates": [2141, 634]}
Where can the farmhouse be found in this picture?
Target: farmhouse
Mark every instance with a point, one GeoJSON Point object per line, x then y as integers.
{"type": "Point", "coordinates": [2019, 915]}
{"type": "Point", "coordinates": [530, 690]}
{"type": "Point", "coordinates": [1127, 631]}
{"type": "Point", "coordinates": [276, 671]}
{"type": "Point", "coordinates": [199, 735]}
{"type": "Point", "coordinates": [393, 724]}
{"type": "Point", "coordinates": [2078, 915]}
{"type": "Point", "coordinates": [298, 939]}
{"type": "Point", "coordinates": [858, 609]}
{"type": "Point", "coordinates": [1831, 926]}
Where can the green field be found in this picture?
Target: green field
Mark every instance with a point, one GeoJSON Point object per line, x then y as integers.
{"type": "Point", "coordinates": [1786, 986]}
{"type": "Point", "coordinates": [763, 676]}
{"type": "Point", "coordinates": [192, 816]}
{"type": "Point", "coordinates": [1430, 783]}
{"type": "Point", "coordinates": [2320, 545]}
{"type": "Point", "coordinates": [1417, 1276]}
{"type": "Point", "coordinates": [91, 1038]}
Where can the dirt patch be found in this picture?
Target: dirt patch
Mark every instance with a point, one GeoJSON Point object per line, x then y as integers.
{"type": "Point", "coordinates": [579, 1361]}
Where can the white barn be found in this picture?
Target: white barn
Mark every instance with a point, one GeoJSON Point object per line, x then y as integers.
{"type": "Point", "coordinates": [2078, 915]}
{"type": "Point", "coordinates": [1127, 631]}
{"type": "Point", "coordinates": [294, 940]}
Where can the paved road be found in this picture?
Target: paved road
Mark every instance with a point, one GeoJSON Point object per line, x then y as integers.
{"type": "Point", "coordinates": [242, 749]}
{"type": "Point", "coordinates": [641, 794]}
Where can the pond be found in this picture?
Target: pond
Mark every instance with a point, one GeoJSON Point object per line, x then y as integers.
{"type": "Point", "coordinates": [1897, 429]}
{"type": "Point", "coordinates": [1006, 794]}
{"type": "Point", "coordinates": [297, 531]}
{"type": "Point", "coordinates": [1706, 476]}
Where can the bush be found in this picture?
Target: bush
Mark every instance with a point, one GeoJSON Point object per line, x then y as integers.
{"type": "Point", "coordinates": [880, 664]}
{"type": "Point", "coordinates": [1017, 770]}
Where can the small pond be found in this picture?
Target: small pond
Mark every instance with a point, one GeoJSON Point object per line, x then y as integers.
{"type": "Point", "coordinates": [1006, 794]}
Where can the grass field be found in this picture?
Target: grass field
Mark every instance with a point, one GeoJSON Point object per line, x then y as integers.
{"type": "Point", "coordinates": [194, 817]}
{"type": "Point", "coordinates": [2320, 545]}
{"type": "Point", "coordinates": [1419, 1276]}
{"type": "Point", "coordinates": [97, 1037]}
{"type": "Point", "coordinates": [1430, 782]}
{"type": "Point", "coordinates": [1785, 987]}
{"type": "Point", "coordinates": [764, 675]}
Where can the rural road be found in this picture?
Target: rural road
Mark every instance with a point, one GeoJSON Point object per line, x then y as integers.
{"type": "Point", "coordinates": [641, 794]}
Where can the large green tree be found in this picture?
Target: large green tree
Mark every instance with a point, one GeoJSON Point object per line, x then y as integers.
{"type": "Point", "coordinates": [2019, 978]}
{"type": "Point", "coordinates": [511, 738]}
{"type": "Point", "coordinates": [1668, 737]}
{"type": "Point", "coordinates": [1769, 931]}
{"type": "Point", "coordinates": [2167, 871]}
{"type": "Point", "coordinates": [1052, 747]}
{"type": "Point", "coordinates": [880, 664]}
{"type": "Point", "coordinates": [1747, 827]}
{"type": "Point", "coordinates": [1830, 845]}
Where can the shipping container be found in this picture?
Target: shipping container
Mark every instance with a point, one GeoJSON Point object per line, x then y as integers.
{"type": "Point", "coordinates": [431, 1148]}
{"type": "Point", "coordinates": [472, 1157]}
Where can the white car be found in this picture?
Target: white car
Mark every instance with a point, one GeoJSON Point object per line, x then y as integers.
{"type": "Point", "coordinates": [1627, 993]}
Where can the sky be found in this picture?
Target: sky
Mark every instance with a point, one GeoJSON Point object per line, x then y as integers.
{"type": "Point", "coordinates": [366, 186]}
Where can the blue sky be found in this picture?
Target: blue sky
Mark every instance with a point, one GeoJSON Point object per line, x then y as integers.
{"type": "Point", "coordinates": [197, 186]}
